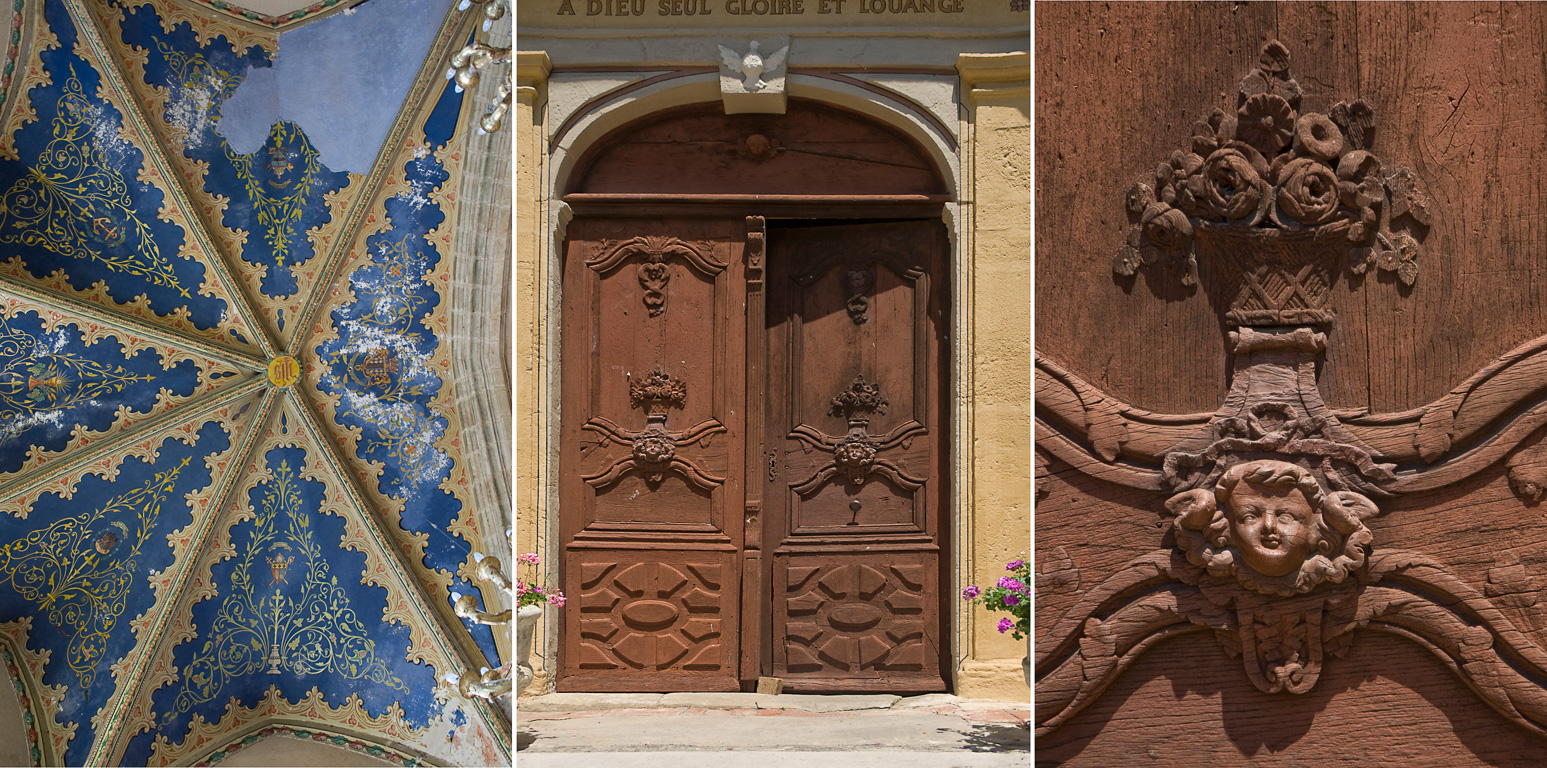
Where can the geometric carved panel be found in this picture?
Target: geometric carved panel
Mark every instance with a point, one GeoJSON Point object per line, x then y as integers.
{"type": "Point", "coordinates": [853, 618]}
{"type": "Point", "coordinates": [651, 616]}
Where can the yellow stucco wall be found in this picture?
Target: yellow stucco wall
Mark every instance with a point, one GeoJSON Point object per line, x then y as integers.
{"type": "Point", "coordinates": [529, 439]}
{"type": "Point", "coordinates": [996, 223]}
{"type": "Point", "coordinates": [994, 395]}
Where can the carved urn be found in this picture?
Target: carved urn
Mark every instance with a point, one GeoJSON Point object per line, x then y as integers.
{"type": "Point", "coordinates": [1026, 662]}
{"type": "Point", "coordinates": [526, 627]}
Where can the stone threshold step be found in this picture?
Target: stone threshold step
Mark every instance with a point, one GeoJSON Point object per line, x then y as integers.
{"type": "Point", "coordinates": [599, 702]}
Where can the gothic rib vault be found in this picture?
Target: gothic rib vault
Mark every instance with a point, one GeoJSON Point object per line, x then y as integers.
{"type": "Point", "coordinates": [231, 470]}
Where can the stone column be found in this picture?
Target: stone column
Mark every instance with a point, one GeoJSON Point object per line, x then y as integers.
{"type": "Point", "coordinates": [994, 403]}
{"type": "Point", "coordinates": [528, 319]}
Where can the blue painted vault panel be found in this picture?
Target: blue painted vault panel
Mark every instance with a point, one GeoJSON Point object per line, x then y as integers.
{"type": "Point", "coordinates": [73, 202]}
{"type": "Point", "coordinates": [290, 612]}
{"type": "Point", "coordinates": [276, 193]}
{"type": "Point", "coordinates": [79, 565]}
{"type": "Point", "coordinates": [52, 382]}
{"type": "Point", "coordinates": [379, 366]}
{"type": "Point", "coordinates": [103, 230]}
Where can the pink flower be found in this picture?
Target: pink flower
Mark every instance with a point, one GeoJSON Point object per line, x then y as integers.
{"type": "Point", "coordinates": [971, 592]}
{"type": "Point", "coordinates": [1012, 599]}
{"type": "Point", "coordinates": [1005, 625]}
{"type": "Point", "coordinates": [1013, 564]}
{"type": "Point", "coordinates": [556, 600]}
{"type": "Point", "coordinates": [1014, 585]}
{"type": "Point", "coordinates": [521, 588]}
{"type": "Point", "coordinates": [530, 558]}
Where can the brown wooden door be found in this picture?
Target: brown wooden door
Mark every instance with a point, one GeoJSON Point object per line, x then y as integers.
{"type": "Point", "coordinates": [651, 477]}
{"type": "Point", "coordinates": [751, 468]}
{"type": "Point", "coordinates": [854, 490]}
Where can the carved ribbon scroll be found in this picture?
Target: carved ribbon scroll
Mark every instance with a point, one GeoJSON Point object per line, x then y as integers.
{"type": "Point", "coordinates": [655, 252]}
{"type": "Point", "coordinates": [857, 453]}
{"type": "Point", "coordinates": [653, 449]}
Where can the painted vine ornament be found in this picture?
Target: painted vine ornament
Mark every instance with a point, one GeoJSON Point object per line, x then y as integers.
{"type": "Point", "coordinates": [1270, 172]}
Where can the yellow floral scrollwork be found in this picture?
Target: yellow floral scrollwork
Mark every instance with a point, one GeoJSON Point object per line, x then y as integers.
{"type": "Point", "coordinates": [34, 381]}
{"type": "Point", "coordinates": [74, 204]}
{"type": "Point", "coordinates": [278, 193]}
{"type": "Point", "coordinates": [201, 90]}
{"type": "Point", "coordinates": [80, 568]}
{"type": "Point", "coordinates": [273, 616]}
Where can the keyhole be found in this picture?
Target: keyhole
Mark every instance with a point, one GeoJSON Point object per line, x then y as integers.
{"type": "Point", "coordinates": [854, 507]}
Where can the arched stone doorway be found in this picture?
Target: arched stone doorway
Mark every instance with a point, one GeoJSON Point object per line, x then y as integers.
{"type": "Point", "coordinates": [753, 450]}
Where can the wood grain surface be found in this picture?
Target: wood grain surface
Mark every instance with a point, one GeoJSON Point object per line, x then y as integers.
{"type": "Point", "coordinates": [1440, 377]}
{"type": "Point", "coordinates": [1460, 96]}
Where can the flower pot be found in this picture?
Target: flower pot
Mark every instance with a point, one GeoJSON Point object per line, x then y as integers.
{"type": "Point", "coordinates": [526, 626]}
{"type": "Point", "coordinates": [1026, 662]}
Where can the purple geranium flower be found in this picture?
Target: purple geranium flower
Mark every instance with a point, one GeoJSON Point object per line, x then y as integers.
{"type": "Point", "coordinates": [1014, 585]}
{"type": "Point", "coordinates": [971, 592]}
{"type": "Point", "coordinates": [1013, 564]}
{"type": "Point", "coordinates": [1005, 625]}
{"type": "Point", "coordinates": [1012, 599]}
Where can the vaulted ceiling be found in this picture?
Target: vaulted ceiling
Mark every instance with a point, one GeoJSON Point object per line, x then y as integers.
{"type": "Point", "coordinates": [233, 492]}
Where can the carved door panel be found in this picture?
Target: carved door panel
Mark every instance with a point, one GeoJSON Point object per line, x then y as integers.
{"type": "Point", "coordinates": [651, 454]}
{"type": "Point", "coordinates": [855, 429]}
{"type": "Point", "coordinates": [1290, 457]}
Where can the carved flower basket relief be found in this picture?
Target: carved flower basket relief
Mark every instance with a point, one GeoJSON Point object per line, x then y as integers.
{"type": "Point", "coordinates": [1268, 173]}
{"type": "Point", "coordinates": [1267, 541]}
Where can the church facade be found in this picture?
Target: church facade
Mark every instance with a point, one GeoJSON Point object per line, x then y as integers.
{"type": "Point", "coordinates": [771, 337]}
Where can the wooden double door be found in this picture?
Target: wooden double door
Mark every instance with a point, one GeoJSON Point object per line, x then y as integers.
{"type": "Point", "coordinates": [752, 454]}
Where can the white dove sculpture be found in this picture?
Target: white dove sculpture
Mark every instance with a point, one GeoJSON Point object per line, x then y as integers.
{"type": "Point", "coordinates": [753, 66]}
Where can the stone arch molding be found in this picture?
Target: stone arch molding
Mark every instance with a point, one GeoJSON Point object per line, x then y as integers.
{"type": "Point", "coordinates": [579, 130]}
{"type": "Point", "coordinates": [1264, 537]}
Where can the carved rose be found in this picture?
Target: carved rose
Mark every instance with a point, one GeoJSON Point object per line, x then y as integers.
{"type": "Point", "coordinates": [1308, 192]}
{"type": "Point", "coordinates": [1266, 122]}
{"type": "Point", "coordinates": [1167, 227]}
{"type": "Point", "coordinates": [1230, 186]}
{"type": "Point", "coordinates": [1170, 181]}
{"type": "Point", "coordinates": [1207, 136]}
{"type": "Point", "coordinates": [1317, 136]}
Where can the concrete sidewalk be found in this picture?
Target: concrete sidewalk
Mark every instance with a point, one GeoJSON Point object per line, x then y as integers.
{"type": "Point", "coordinates": [767, 759]}
{"type": "Point", "coordinates": [741, 730]}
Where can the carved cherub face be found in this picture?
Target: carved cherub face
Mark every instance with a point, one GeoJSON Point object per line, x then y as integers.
{"type": "Point", "coordinates": [1271, 525]}
{"type": "Point", "coordinates": [1274, 527]}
